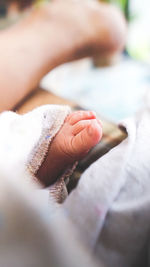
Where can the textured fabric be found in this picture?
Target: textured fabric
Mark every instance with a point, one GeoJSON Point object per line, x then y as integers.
{"type": "Point", "coordinates": [33, 230]}
{"type": "Point", "coordinates": [33, 233]}
{"type": "Point", "coordinates": [25, 139]}
{"type": "Point", "coordinates": [105, 218]}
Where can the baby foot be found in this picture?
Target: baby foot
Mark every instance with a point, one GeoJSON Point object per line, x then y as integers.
{"type": "Point", "coordinates": [80, 132]}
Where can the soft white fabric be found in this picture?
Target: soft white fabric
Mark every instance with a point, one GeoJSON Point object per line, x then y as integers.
{"type": "Point", "coordinates": [33, 231]}
{"type": "Point", "coordinates": [24, 139]}
{"type": "Point", "coordinates": [107, 217]}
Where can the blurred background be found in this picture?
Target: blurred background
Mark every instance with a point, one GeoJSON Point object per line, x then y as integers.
{"type": "Point", "coordinates": [116, 87]}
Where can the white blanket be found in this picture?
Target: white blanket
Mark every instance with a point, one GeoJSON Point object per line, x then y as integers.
{"type": "Point", "coordinates": [106, 218]}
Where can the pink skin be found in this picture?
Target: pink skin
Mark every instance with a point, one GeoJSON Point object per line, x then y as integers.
{"type": "Point", "coordinates": [80, 132]}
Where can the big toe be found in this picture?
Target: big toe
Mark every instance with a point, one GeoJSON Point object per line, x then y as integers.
{"type": "Point", "coordinates": [88, 137]}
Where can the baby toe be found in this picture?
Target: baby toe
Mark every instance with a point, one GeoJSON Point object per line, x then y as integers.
{"type": "Point", "coordinates": [87, 137]}
{"type": "Point", "coordinates": [80, 115]}
{"type": "Point", "coordinates": [79, 126]}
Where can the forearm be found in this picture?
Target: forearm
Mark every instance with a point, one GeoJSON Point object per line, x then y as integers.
{"type": "Point", "coordinates": [25, 57]}
{"type": "Point", "coordinates": [49, 36]}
